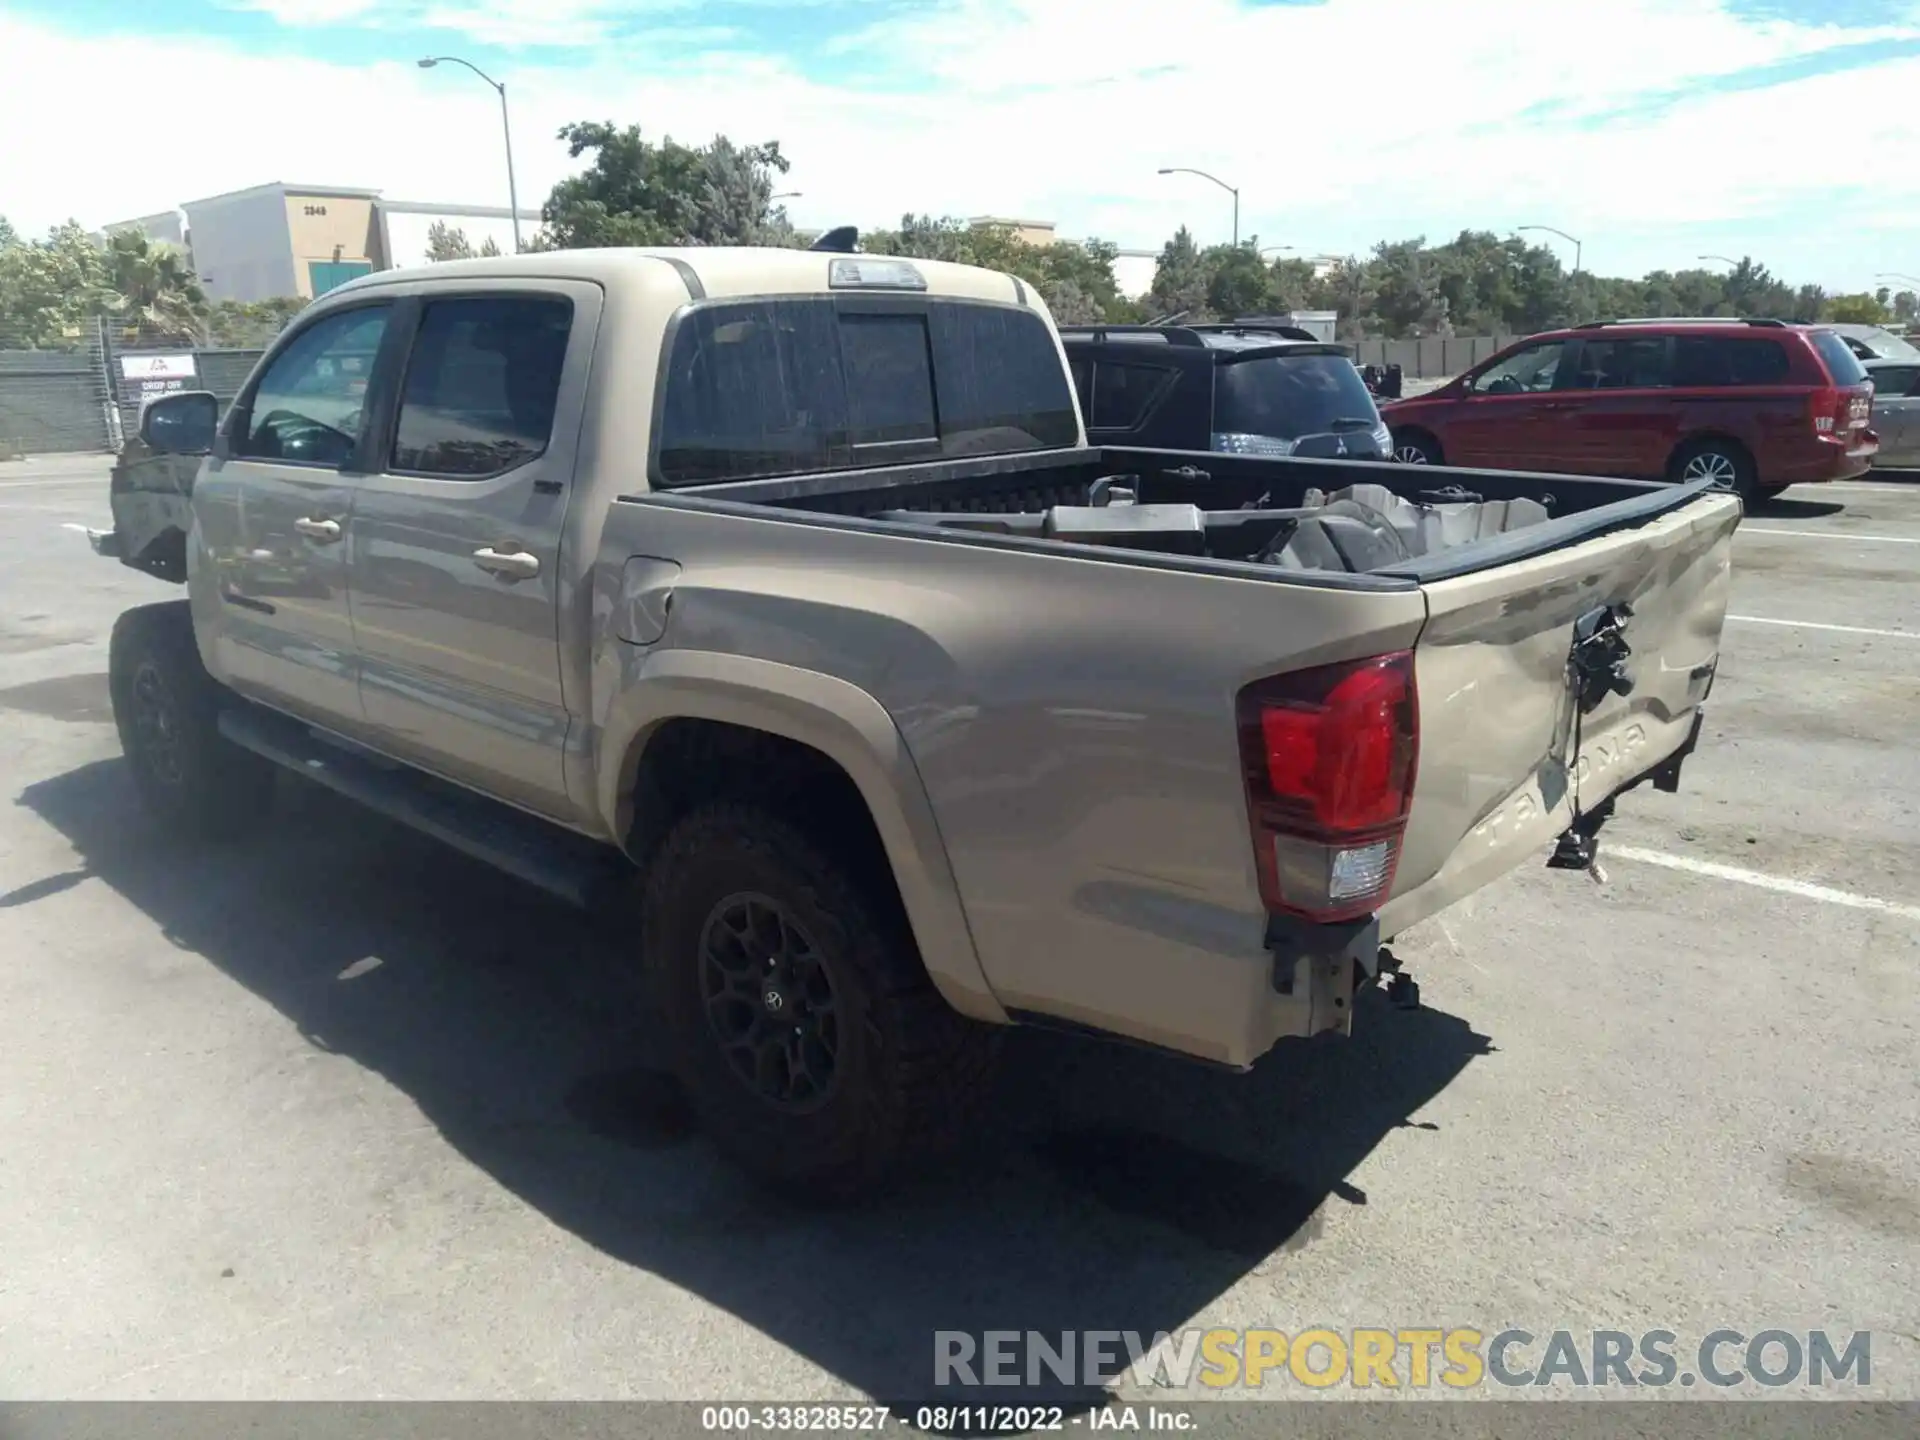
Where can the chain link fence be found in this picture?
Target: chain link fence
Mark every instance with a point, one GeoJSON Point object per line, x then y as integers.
{"type": "Point", "coordinates": [81, 390]}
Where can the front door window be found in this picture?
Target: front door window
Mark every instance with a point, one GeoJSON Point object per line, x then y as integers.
{"type": "Point", "coordinates": [1527, 371]}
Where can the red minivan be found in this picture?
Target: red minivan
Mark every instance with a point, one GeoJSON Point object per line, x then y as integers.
{"type": "Point", "coordinates": [1757, 404]}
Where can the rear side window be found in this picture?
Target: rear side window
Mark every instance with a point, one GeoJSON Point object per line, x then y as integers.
{"type": "Point", "coordinates": [1286, 396]}
{"type": "Point", "coordinates": [1714, 360]}
{"type": "Point", "coordinates": [1625, 364]}
{"type": "Point", "coordinates": [1081, 369]}
{"type": "Point", "coordinates": [482, 382]}
{"type": "Point", "coordinates": [1840, 361]}
{"type": "Point", "coordinates": [1892, 382]}
{"type": "Point", "coordinates": [783, 387]}
{"type": "Point", "coordinates": [1124, 395]}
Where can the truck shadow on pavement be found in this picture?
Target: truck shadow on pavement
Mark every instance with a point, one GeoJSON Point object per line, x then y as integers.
{"type": "Point", "coordinates": [1110, 1189]}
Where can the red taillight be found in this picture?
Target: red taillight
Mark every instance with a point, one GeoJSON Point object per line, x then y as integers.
{"type": "Point", "coordinates": [1329, 758]}
{"type": "Point", "coordinates": [1838, 412]}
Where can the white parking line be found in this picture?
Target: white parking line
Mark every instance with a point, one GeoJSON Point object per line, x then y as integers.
{"type": "Point", "coordinates": [1831, 535]}
{"type": "Point", "coordinates": [1818, 625]}
{"type": "Point", "coordinates": [1804, 889]}
{"type": "Point", "coordinates": [1863, 489]}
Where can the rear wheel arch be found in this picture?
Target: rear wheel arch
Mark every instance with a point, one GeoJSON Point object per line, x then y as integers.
{"type": "Point", "coordinates": [803, 744]}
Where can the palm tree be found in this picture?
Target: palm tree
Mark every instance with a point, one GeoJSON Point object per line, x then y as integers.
{"type": "Point", "coordinates": [155, 290]}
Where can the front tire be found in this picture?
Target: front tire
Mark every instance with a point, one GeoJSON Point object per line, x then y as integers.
{"type": "Point", "coordinates": [1414, 448]}
{"type": "Point", "coordinates": [797, 1013]}
{"type": "Point", "coordinates": [167, 709]}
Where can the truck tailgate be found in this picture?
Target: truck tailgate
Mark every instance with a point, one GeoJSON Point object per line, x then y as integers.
{"type": "Point", "coordinates": [1506, 748]}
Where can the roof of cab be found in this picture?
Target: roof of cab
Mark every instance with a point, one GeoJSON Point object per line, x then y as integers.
{"type": "Point", "coordinates": [707, 272]}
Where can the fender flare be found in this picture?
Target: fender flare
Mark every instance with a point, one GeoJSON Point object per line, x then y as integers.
{"type": "Point", "coordinates": [852, 729]}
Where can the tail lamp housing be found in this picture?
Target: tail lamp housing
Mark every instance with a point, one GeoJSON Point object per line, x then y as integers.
{"type": "Point", "coordinates": [1329, 756]}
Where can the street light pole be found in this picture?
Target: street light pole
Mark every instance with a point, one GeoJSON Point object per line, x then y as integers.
{"type": "Point", "coordinates": [506, 133]}
{"type": "Point", "coordinates": [1723, 259]}
{"type": "Point", "coordinates": [1564, 236]}
{"type": "Point", "coordinates": [1230, 189]}
{"type": "Point", "coordinates": [1896, 275]}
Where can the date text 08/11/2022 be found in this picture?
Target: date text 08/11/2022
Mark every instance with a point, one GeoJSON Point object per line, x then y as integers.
{"type": "Point", "coordinates": [971, 1419]}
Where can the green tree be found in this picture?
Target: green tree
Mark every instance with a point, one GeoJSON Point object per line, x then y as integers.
{"type": "Point", "coordinates": [445, 242]}
{"type": "Point", "coordinates": [50, 289]}
{"type": "Point", "coordinates": [448, 242]}
{"type": "Point", "coordinates": [247, 325]}
{"type": "Point", "coordinates": [1906, 307]}
{"type": "Point", "coordinates": [1293, 285]}
{"type": "Point", "coordinates": [154, 291]}
{"type": "Point", "coordinates": [1809, 305]}
{"type": "Point", "coordinates": [1857, 310]}
{"type": "Point", "coordinates": [634, 192]}
{"type": "Point", "coordinates": [1180, 278]}
{"type": "Point", "coordinates": [1238, 281]}
{"type": "Point", "coordinates": [1075, 280]}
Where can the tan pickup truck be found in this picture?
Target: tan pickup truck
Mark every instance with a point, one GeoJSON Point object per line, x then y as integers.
{"type": "Point", "coordinates": [782, 590]}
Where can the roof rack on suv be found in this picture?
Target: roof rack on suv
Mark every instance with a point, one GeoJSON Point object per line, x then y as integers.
{"type": "Point", "coordinates": [1256, 327]}
{"type": "Point", "coordinates": [1191, 335]}
{"type": "Point", "coordinates": [1186, 335]}
{"type": "Point", "coordinates": [1682, 320]}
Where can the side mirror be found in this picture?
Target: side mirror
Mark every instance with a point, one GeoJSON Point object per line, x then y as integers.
{"type": "Point", "coordinates": [181, 424]}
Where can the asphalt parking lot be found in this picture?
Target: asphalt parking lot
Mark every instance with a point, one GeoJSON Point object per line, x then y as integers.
{"type": "Point", "coordinates": [341, 1115]}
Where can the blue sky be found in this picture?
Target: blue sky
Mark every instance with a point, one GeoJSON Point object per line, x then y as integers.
{"type": "Point", "coordinates": [1657, 130]}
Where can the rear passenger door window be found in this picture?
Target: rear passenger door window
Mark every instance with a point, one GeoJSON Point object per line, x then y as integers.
{"type": "Point", "coordinates": [1894, 382]}
{"type": "Point", "coordinates": [1124, 395]}
{"type": "Point", "coordinates": [1636, 363]}
{"type": "Point", "coordinates": [741, 399]}
{"type": "Point", "coordinates": [481, 384]}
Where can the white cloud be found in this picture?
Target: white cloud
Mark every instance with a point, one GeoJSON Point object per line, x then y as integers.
{"type": "Point", "coordinates": [310, 12]}
{"type": "Point", "coordinates": [1342, 123]}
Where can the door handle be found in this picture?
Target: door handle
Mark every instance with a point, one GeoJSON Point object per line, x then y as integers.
{"type": "Point", "coordinates": [510, 564]}
{"type": "Point", "coordinates": [323, 531]}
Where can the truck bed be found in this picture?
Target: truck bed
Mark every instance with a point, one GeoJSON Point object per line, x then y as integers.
{"type": "Point", "coordinates": [1233, 494]}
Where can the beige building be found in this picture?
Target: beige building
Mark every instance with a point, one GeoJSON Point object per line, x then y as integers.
{"type": "Point", "coordinates": [278, 240]}
{"type": "Point", "coordinates": [1132, 269]}
{"type": "Point", "coordinates": [1034, 232]}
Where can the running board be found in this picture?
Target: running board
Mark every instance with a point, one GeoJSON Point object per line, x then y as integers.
{"type": "Point", "coordinates": [565, 865]}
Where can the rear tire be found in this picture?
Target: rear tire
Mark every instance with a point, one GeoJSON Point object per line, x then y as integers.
{"type": "Point", "coordinates": [797, 1013]}
{"type": "Point", "coordinates": [166, 706]}
{"type": "Point", "coordinates": [1726, 461]}
{"type": "Point", "coordinates": [1416, 448]}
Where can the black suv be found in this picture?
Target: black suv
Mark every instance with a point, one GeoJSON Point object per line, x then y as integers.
{"type": "Point", "coordinates": [1234, 388]}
